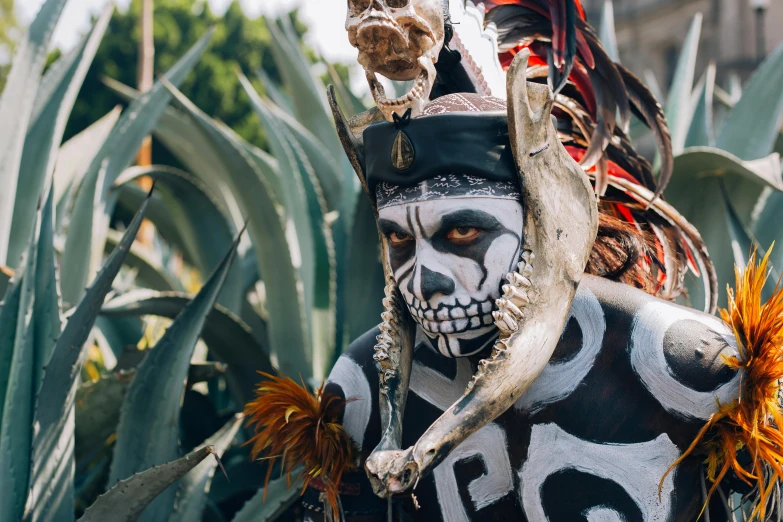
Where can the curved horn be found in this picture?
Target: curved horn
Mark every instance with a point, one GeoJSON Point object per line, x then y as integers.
{"type": "Point", "coordinates": [394, 350]}
{"type": "Point", "coordinates": [561, 222]}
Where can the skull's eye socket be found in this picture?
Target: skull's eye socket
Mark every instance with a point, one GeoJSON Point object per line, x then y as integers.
{"type": "Point", "coordinates": [357, 7]}
{"type": "Point", "coordinates": [396, 4]}
{"type": "Point", "coordinates": [400, 238]}
{"type": "Point", "coordinates": [462, 235]}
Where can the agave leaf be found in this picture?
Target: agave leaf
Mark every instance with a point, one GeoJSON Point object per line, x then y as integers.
{"type": "Point", "coordinates": [310, 107]}
{"type": "Point", "coordinates": [655, 87]}
{"type": "Point", "coordinates": [74, 159]}
{"type": "Point", "coordinates": [364, 289]}
{"type": "Point", "coordinates": [126, 500]}
{"type": "Point", "coordinates": [199, 220]}
{"type": "Point", "coordinates": [128, 197]}
{"type": "Point", "coordinates": [606, 33]}
{"type": "Point", "coordinates": [298, 175]}
{"type": "Point", "coordinates": [16, 106]}
{"type": "Point", "coordinates": [51, 481]}
{"type": "Point", "coordinates": [206, 371]}
{"type": "Point", "coordinates": [322, 161]}
{"type": "Point", "coordinates": [229, 339]}
{"type": "Point", "coordinates": [98, 410]}
{"type": "Point", "coordinates": [308, 93]}
{"type": "Point", "coordinates": [194, 488]}
{"type": "Point", "coordinates": [293, 193]}
{"type": "Point", "coordinates": [269, 503]}
{"type": "Point", "coordinates": [346, 96]}
{"type": "Point", "coordinates": [766, 228]}
{"type": "Point", "coordinates": [280, 98]}
{"type": "Point", "coordinates": [704, 171]}
{"type": "Point", "coordinates": [148, 431]}
{"type": "Point", "coordinates": [751, 128]}
{"type": "Point", "coordinates": [192, 148]}
{"type": "Point", "coordinates": [17, 410]}
{"type": "Point", "coordinates": [47, 298]}
{"type": "Point", "coordinates": [46, 132]}
{"type": "Point", "coordinates": [289, 333]}
{"type": "Point", "coordinates": [701, 133]}
{"type": "Point", "coordinates": [9, 314]}
{"type": "Point", "coordinates": [5, 277]}
{"type": "Point", "coordinates": [98, 404]}
{"type": "Point", "coordinates": [150, 272]}
{"type": "Point", "coordinates": [89, 221]}
{"type": "Point", "coordinates": [678, 104]}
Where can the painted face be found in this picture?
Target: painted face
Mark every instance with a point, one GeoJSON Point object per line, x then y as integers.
{"type": "Point", "coordinates": [449, 257]}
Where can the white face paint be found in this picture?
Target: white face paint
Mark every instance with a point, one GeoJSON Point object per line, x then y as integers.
{"type": "Point", "coordinates": [449, 257]}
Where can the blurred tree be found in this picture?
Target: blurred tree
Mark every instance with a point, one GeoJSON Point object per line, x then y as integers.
{"type": "Point", "coordinates": [238, 42]}
{"type": "Point", "coordinates": [8, 29]}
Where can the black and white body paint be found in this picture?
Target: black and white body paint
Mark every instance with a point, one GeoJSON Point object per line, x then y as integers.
{"type": "Point", "coordinates": [449, 257]}
{"type": "Point", "coordinates": [625, 393]}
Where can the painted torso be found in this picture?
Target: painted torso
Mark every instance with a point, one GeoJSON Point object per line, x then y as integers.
{"type": "Point", "coordinates": [631, 382]}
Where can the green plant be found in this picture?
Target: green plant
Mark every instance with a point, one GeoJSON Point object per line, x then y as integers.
{"type": "Point", "coordinates": [727, 172]}
{"type": "Point", "coordinates": [76, 288]}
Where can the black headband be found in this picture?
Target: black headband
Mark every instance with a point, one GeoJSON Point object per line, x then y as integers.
{"type": "Point", "coordinates": [409, 151]}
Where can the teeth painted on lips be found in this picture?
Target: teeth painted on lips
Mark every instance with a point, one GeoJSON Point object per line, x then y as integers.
{"type": "Point", "coordinates": [457, 313]}
{"type": "Point", "coordinates": [453, 319]}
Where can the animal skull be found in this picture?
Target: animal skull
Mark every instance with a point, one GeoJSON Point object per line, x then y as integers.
{"type": "Point", "coordinates": [400, 39]}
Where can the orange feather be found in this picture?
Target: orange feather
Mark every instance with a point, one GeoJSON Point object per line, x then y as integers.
{"type": "Point", "coordinates": [753, 421]}
{"type": "Point", "coordinates": [303, 429]}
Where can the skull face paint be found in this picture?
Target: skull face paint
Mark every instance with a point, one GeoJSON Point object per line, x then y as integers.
{"type": "Point", "coordinates": [449, 257]}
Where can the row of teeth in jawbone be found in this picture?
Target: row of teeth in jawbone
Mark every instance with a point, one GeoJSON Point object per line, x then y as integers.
{"type": "Point", "coordinates": [509, 314]}
{"type": "Point", "coordinates": [392, 308]}
{"type": "Point", "coordinates": [414, 94]}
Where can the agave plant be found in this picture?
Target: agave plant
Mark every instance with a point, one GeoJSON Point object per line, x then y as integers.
{"type": "Point", "coordinates": [727, 173]}
{"type": "Point", "coordinates": [55, 206]}
{"type": "Point", "coordinates": [76, 289]}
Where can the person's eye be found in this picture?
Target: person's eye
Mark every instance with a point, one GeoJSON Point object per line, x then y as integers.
{"type": "Point", "coordinates": [399, 238]}
{"type": "Point", "coordinates": [463, 234]}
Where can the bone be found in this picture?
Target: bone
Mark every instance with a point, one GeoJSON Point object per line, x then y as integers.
{"type": "Point", "coordinates": [401, 43]}
{"type": "Point", "coordinates": [520, 354]}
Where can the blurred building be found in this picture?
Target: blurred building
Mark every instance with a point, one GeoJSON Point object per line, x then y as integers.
{"type": "Point", "coordinates": [650, 33]}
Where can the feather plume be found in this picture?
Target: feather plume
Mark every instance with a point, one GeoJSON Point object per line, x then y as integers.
{"type": "Point", "coordinates": [751, 423]}
{"type": "Point", "coordinates": [302, 429]}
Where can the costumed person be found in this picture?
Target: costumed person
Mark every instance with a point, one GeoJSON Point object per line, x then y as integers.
{"type": "Point", "coordinates": [531, 363]}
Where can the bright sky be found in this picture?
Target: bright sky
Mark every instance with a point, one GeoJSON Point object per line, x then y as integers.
{"type": "Point", "coordinates": [325, 18]}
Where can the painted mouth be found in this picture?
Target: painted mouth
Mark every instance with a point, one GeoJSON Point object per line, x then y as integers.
{"type": "Point", "coordinates": [452, 319]}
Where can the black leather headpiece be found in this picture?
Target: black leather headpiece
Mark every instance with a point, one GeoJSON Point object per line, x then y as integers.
{"type": "Point", "coordinates": [410, 151]}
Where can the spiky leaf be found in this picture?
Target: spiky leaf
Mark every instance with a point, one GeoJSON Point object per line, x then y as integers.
{"type": "Point", "coordinates": [269, 503]}
{"type": "Point", "coordinates": [229, 339]}
{"type": "Point", "coordinates": [750, 130]}
{"type": "Point", "coordinates": [678, 103]}
{"type": "Point", "coordinates": [289, 333]}
{"type": "Point", "coordinates": [57, 95]}
{"type": "Point", "coordinates": [194, 488]}
{"type": "Point", "coordinates": [16, 106]}
{"type": "Point", "coordinates": [200, 222]}
{"type": "Point", "coordinates": [127, 499]}
{"type": "Point", "coordinates": [89, 221]}
{"type": "Point", "coordinates": [148, 431]}
{"type": "Point", "coordinates": [51, 491]}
